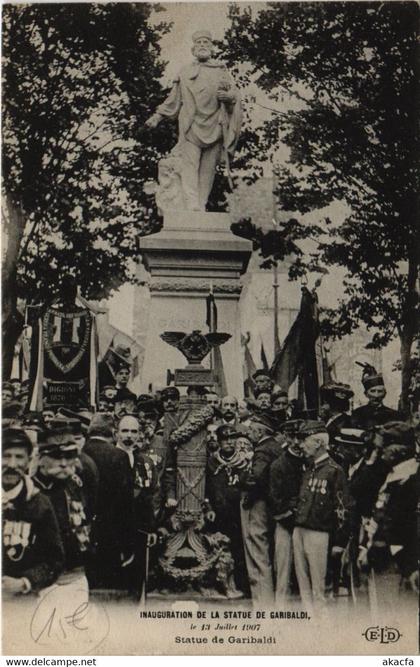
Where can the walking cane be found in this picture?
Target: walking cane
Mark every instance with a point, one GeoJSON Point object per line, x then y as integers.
{"type": "Point", "coordinates": [150, 542]}
{"type": "Point", "coordinates": [373, 595]}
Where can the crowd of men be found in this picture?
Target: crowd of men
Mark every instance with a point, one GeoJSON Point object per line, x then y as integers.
{"type": "Point", "coordinates": [310, 506]}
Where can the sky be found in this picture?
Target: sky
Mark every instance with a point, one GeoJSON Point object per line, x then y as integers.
{"type": "Point", "coordinates": [188, 17]}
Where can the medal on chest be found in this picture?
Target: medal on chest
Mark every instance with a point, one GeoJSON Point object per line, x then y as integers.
{"type": "Point", "coordinates": [16, 537]}
{"type": "Point", "coordinates": [79, 527]}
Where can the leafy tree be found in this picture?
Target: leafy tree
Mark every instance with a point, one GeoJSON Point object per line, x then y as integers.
{"type": "Point", "coordinates": [79, 82]}
{"type": "Point", "coordinates": [350, 75]}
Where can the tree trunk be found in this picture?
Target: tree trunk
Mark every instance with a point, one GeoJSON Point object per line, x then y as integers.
{"type": "Point", "coordinates": [12, 320]}
{"type": "Point", "coordinates": [406, 342]}
{"type": "Point", "coordinates": [409, 328]}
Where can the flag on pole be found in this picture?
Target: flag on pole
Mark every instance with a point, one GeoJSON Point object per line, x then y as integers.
{"type": "Point", "coordinates": [263, 356]}
{"type": "Point", "coordinates": [298, 357]}
{"type": "Point", "coordinates": [249, 366]}
{"type": "Point", "coordinates": [211, 316]}
{"type": "Point", "coordinates": [216, 360]}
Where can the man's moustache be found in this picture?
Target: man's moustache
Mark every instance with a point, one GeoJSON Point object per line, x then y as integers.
{"type": "Point", "coordinates": [12, 471]}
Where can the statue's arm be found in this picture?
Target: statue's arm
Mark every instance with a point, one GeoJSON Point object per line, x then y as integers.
{"type": "Point", "coordinates": [169, 108]}
{"type": "Point", "coordinates": [227, 91]}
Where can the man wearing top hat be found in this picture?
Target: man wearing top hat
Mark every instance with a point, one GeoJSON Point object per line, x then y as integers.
{"type": "Point", "coordinates": [374, 413]}
{"type": "Point", "coordinates": [208, 108]}
{"type": "Point", "coordinates": [32, 554]}
{"type": "Point", "coordinates": [335, 406]}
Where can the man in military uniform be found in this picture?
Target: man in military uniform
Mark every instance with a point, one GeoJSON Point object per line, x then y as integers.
{"type": "Point", "coordinates": [57, 478]}
{"type": "Point", "coordinates": [153, 444]}
{"type": "Point", "coordinates": [389, 538]}
{"type": "Point", "coordinates": [284, 485]}
{"type": "Point", "coordinates": [170, 399]}
{"type": "Point", "coordinates": [257, 522]}
{"type": "Point", "coordinates": [33, 554]}
{"type": "Point", "coordinates": [374, 413]}
{"type": "Point", "coordinates": [85, 466]}
{"type": "Point", "coordinates": [322, 515]}
{"type": "Point", "coordinates": [227, 469]}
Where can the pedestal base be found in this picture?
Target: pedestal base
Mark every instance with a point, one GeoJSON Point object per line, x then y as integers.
{"type": "Point", "coordinates": [195, 252]}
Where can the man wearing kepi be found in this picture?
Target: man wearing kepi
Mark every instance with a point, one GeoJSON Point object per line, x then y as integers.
{"type": "Point", "coordinates": [256, 518]}
{"type": "Point", "coordinates": [322, 516]}
{"type": "Point", "coordinates": [32, 549]}
{"type": "Point", "coordinates": [209, 114]}
{"type": "Point", "coordinates": [56, 477]}
{"type": "Point", "coordinates": [284, 484]}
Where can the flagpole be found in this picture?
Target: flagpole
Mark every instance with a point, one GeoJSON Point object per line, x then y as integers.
{"type": "Point", "coordinates": [211, 327]}
{"type": "Point", "coordinates": [276, 309]}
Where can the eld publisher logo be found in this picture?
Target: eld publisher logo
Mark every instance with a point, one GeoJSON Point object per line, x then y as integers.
{"type": "Point", "coordinates": [382, 635]}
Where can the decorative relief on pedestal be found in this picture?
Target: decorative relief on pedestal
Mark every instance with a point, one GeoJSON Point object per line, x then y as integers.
{"type": "Point", "coordinates": [195, 285]}
{"type": "Point", "coordinates": [184, 378]}
{"type": "Point", "coordinates": [169, 193]}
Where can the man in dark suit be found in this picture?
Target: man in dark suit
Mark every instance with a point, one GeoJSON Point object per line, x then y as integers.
{"type": "Point", "coordinates": [113, 506]}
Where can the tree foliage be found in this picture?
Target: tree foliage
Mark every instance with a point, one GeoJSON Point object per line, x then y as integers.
{"type": "Point", "coordinates": [79, 81]}
{"type": "Point", "coordinates": [343, 82]}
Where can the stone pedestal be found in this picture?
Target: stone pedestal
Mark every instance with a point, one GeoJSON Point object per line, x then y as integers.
{"type": "Point", "coordinates": [194, 252]}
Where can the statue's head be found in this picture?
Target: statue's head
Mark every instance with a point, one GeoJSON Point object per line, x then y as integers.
{"type": "Point", "coordinates": [202, 45]}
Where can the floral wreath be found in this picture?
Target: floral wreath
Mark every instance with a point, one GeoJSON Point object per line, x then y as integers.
{"type": "Point", "coordinates": [195, 422]}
